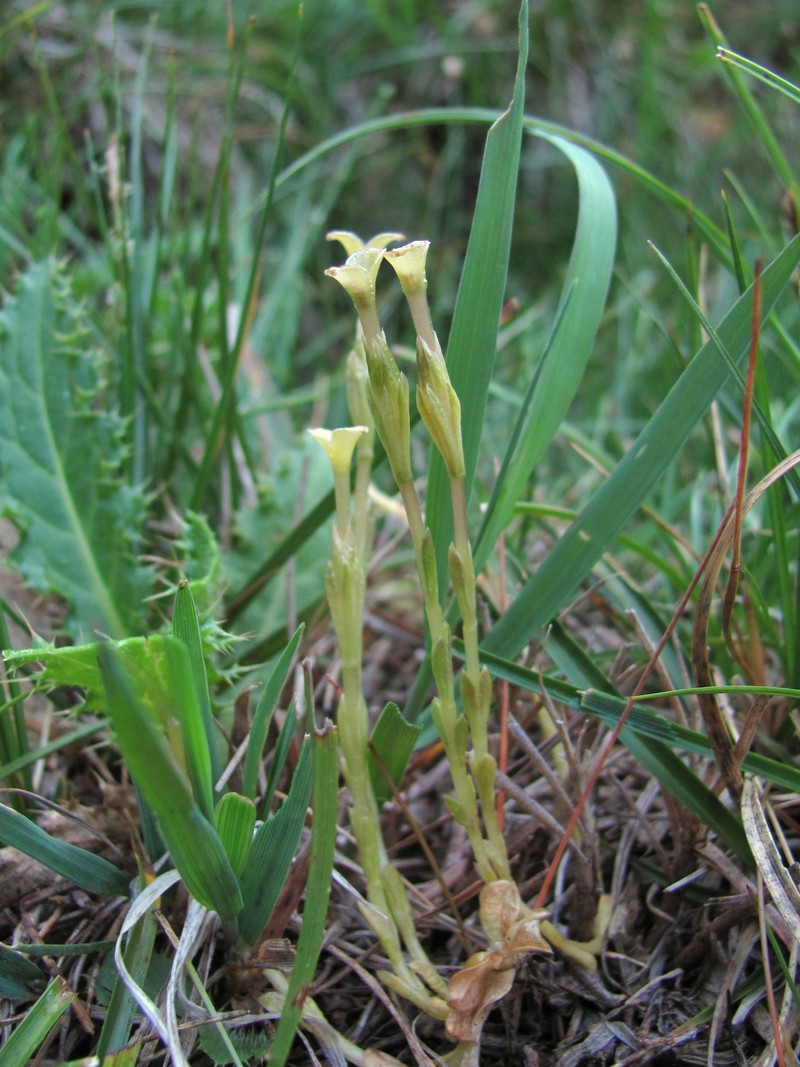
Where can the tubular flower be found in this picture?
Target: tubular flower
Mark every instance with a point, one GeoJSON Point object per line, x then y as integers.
{"type": "Point", "coordinates": [409, 265]}
{"type": "Point", "coordinates": [339, 446]}
{"type": "Point", "coordinates": [357, 277]}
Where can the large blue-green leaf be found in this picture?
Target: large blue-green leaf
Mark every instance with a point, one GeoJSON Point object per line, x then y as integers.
{"type": "Point", "coordinates": [61, 453]}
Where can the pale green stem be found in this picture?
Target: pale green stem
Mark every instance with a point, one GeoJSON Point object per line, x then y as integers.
{"type": "Point", "coordinates": [416, 525]}
{"type": "Point", "coordinates": [341, 489]}
{"type": "Point", "coordinates": [443, 676]}
{"type": "Point", "coordinates": [469, 614]}
{"type": "Point", "coordinates": [478, 715]}
{"type": "Point", "coordinates": [364, 457]}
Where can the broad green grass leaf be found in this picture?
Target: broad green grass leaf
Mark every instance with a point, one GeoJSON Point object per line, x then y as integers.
{"type": "Point", "coordinates": [393, 739]}
{"type": "Point", "coordinates": [79, 866]}
{"type": "Point", "coordinates": [579, 548]}
{"type": "Point", "coordinates": [476, 320]}
{"type": "Point", "coordinates": [18, 977]}
{"type": "Point", "coordinates": [19, 1049]}
{"type": "Point", "coordinates": [186, 627]}
{"type": "Point", "coordinates": [318, 889]}
{"type": "Point", "coordinates": [272, 850]}
{"type": "Point", "coordinates": [263, 715]}
{"type": "Point", "coordinates": [61, 454]}
{"type": "Point", "coordinates": [191, 840]}
{"type": "Point", "coordinates": [556, 380]}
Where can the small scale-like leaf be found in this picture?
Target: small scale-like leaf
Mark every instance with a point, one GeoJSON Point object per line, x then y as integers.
{"type": "Point", "coordinates": [235, 819]}
{"type": "Point", "coordinates": [393, 741]}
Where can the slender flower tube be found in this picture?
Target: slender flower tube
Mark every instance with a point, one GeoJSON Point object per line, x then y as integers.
{"type": "Point", "coordinates": [339, 446]}
{"type": "Point", "coordinates": [409, 266]}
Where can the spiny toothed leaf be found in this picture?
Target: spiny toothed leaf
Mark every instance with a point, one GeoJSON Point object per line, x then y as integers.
{"type": "Point", "coordinates": [62, 453]}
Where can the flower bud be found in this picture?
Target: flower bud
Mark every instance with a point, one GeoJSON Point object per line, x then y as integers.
{"type": "Point", "coordinates": [388, 397]}
{"type": "Point", "coordinates": [440, 408]}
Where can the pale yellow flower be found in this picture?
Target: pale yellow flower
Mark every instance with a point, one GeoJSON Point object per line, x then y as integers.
{"type": "Point", "coordinates": [351, 242]}
{"type": "Point", "coordinates": [339, 444]}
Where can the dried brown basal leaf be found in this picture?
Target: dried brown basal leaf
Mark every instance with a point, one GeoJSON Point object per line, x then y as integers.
{"type": "Point", "coordinates": [488, 976]}
{"type": "Point", "coordinates": [777, 878]}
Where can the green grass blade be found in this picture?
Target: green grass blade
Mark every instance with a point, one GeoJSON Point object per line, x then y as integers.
{"type": "Point", "coordinates": [263, 715]}
{"type": "Point", "coordinates": [224, 410]}
{"type": "Point", "coordinates": [674, 776]}
{"type": "Point", "coordinates": [556, 381]}
{"type": "Point", "coordinates": [284, 744]}
{"type": "Point", "coordinates": [749, 105]}
{"type": "Point", "coordinates": [768, 77]}
{"type": "Point", "coordinates": [183, 693]}
{"type": "Point", "coordinates": [18, 1050]}
{"type": "Point", "coordinates": [74, 737]}
{"type": "Point", "coordinates": [79, 866]}
{"type": "Point", "coordinates": [192, 841]}
{"type": "Point", "coordinates": [465, 115]}
{"type": "Point", "coordinates": [272, 850]}
{"type": "Point", "coordinates": [476, 320]}
{"type": "Point", "coordinates": [579, 548]}
{"type": "Point", "coordinates": [589, 691]}
{"type": "Point", "coordinates": [186, 627]}
{"type": "Point", "coordinates": [19, 978]}
{"type": "Point", "coordinates": [764, 421]}
{"type": "Point", "coordinates": [323, 840]}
